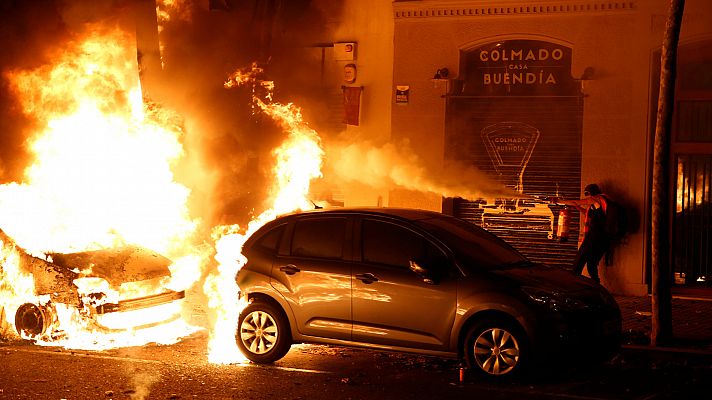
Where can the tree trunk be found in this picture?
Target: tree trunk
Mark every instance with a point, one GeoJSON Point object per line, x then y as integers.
{"type": "Point", "coordinates": [661, 333]}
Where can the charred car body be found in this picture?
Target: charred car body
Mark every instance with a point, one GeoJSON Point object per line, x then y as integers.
{"type": "Point", "coordinates": [96, 286]}
{"type": "Point", "coordinates": [415, 281]}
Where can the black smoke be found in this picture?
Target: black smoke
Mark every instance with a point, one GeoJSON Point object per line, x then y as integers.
{"type": "Point", "coordinates": [233, 139]}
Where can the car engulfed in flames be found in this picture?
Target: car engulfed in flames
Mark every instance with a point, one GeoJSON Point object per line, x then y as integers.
{"type": "Point", "coordinates": [105, 291]}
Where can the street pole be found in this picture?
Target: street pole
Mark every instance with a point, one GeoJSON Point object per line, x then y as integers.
{"type": "Point", "coordinates": [661, 333]}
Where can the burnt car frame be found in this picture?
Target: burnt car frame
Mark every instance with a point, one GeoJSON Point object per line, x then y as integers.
{"type": "Point", "coordinates": [415, 281]}
{"type": "Point", "coordinates": [97, 284]}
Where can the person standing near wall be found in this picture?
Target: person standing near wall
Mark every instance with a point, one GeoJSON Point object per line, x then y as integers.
{"type": "Point", "coordinates": [596, 241]}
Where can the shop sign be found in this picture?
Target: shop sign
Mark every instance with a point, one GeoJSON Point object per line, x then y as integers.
{"type": "Point", "coordinates": [519, 67]}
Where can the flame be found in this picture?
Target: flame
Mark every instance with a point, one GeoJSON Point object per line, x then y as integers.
{"type": "Point", "coordinates": [101, 177]}
{"type": "Point", "coordinates": [16, 287]}
{"type": "Point", "coordinates": [298, 160]}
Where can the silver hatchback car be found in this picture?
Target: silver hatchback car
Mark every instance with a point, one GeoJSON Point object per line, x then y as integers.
{"type": "Point", "coordinates": [415, 281]}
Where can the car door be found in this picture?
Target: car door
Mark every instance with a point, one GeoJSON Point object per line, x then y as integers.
{"type": "Point", "coordinates": [392, 305]}
{"type": "Point", "coordinates": [314, 276]}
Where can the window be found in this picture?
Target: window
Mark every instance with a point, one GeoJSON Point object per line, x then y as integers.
{"type": "Point", "coordinates": [319, 237]}
{"type": "Point", "coordinates": [473, 245]}
{"type": "Point", "coordinates": [270, 240]}
{"type": "Point", "coordinates": [390, 244]}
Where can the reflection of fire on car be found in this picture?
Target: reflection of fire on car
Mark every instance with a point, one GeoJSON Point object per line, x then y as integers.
{"type": "Point", "coordinates": [416, 281]}
{"type": "Point", "coordinates": [110, 290]}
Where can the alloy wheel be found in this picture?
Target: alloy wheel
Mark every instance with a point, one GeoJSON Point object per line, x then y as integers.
{"type": "Point", "coordinates": [259, 332]}
{"type": "Point", "coordinates": [496, 351]}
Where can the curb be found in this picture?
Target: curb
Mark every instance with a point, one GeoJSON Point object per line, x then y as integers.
{"type": "Point", "coordinates": [703, 356]}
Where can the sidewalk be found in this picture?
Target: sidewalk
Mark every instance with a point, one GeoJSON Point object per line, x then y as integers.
{"type": "Point", "coordinates": [691, 319]}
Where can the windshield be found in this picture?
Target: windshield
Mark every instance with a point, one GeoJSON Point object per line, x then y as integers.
{"type": "Point", "coordinates": [474, 247]}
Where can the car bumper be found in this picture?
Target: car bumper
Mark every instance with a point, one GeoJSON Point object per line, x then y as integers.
{"type": "Point", "coordinates": [141, 302]}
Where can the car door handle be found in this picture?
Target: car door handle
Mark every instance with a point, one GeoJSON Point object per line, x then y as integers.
{"type": "Point", "coordinates": [367, 278]}
{"type": "Point", "coordinates": [289, 269]}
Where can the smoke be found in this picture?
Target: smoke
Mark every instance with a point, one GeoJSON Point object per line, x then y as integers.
{"type": "Point", "coordinates": [230, 142]}
{"type": "Point", "coordinates": [227, 144]}
{"type": "Point", "coordinates": [396, 165]}
{"type": "Point", "coordinates": [142, 381]}
{"type": "Point", "coordinates": [25, 29]}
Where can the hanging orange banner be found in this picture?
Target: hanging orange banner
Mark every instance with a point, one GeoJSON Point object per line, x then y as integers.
{"type": "Point", "coordinates": [352, 102]}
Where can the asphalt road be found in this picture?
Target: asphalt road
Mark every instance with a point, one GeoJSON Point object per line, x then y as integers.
{"type": "Point", "coordinates": [181, 371]}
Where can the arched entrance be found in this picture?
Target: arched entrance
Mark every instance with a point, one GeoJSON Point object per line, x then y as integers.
{"type": "Point", "coordinates": [516, 113]}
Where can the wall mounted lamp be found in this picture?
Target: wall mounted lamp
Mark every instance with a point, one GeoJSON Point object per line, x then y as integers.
{"type": "Point", "coordinates": [586, 75]}
{"type": "Point", "coordinates": [442, 77]}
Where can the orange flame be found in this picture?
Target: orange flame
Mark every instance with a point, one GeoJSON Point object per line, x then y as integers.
{"type": "Point", "coordinates": [101, 176]}
{"type": "Point", "coordinates": [298, 160]}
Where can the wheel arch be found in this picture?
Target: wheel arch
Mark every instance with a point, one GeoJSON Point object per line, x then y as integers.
{"type": "Point", "coordinates": [268, 298]}
{"type": "Point", "coordinates": [483, 315]}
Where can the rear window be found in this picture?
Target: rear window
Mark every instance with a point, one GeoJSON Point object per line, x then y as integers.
{"type": "Point", "coordinates": [270, 240]}
{"type": "Point", "coordinates": [319, 238]}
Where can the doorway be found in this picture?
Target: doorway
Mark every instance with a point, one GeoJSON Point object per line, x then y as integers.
{"type": "Point", "coordinates": [691, 168]}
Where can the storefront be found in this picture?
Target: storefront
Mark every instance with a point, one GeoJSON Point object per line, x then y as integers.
{"type": "Point", "coordinates": [546, 97]}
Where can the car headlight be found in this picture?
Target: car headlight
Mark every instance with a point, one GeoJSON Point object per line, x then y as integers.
{"type": "Point", "coordinates": [553, 300]}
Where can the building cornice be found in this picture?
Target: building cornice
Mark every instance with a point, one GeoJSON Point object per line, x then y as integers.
{"type": "Point", "coordinates": [479, 8]}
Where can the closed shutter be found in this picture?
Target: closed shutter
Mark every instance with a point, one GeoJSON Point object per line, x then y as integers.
{"type": "Point", "coordinates": [544, 133]}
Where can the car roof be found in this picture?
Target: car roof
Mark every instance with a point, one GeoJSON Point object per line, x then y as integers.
{"type": "Point", "coordinates": [405, 213]}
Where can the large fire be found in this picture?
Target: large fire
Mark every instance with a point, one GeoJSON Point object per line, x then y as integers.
{"type": "Point", "coordinates": [101, 178]}
{"type": "Point", "coordinates": [101, 186]}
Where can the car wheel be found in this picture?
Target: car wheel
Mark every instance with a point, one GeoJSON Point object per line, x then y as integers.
{"type": "Point", "coordinates": [263, 333]}
{"type": "Point", "coordinates": [496, 349]}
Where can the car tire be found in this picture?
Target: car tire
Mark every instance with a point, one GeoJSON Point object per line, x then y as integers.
{"type": "Point", "coordinates": [263, 333]}
{"type": "Point", "coordinates": [496, 349]}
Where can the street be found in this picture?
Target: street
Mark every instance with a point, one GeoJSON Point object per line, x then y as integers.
{"type": "Point", "coordinates": [181, 371]}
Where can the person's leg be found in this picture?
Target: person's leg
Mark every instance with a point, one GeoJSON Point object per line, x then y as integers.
{"type": "Point", "coordinates": [597, 250]}
{"type": "Point", "coordinates": [582, 256]}
{"type": "Point", "coordinates": [592, 265]}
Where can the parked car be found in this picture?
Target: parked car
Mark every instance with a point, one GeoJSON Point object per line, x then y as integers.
{"type": "Point", "coordinates": [415, 281]}
{"type": "Point", "coordinates": [111, 290]}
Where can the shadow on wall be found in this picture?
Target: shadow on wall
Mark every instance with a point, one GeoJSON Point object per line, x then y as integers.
{"type": "Point", "coordinates": [633, 214]}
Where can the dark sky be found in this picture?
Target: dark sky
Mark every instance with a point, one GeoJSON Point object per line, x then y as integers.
{"type": "Point", "coordinates": [230, 141]}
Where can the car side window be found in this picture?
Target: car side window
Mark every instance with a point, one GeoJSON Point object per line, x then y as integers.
{"type": "Point", "coordinates": [319, 237]}
{"type": "Point", "coordinates": [390, 244]}
{"type": "Point", "coordinates": [270, 240]}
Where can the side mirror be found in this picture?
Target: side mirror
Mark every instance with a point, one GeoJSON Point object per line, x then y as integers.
{"type": "Point", "coordinates": [427, 275]}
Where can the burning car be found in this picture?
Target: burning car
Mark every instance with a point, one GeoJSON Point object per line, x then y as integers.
{"type": "Point", "coordinates": [102, 291]}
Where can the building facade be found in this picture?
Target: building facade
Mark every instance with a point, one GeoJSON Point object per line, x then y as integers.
{"type": "Point", "coordinates": [548, 96]}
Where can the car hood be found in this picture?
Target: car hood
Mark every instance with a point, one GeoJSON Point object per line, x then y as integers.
{"type": "Point", "coordinates": [118, 265]}
{"type": "Point", "coordinates": [547, 278]}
